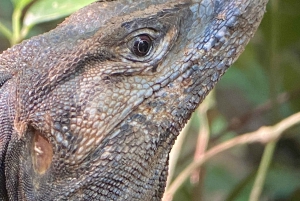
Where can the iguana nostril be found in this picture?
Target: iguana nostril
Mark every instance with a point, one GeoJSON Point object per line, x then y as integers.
{"type": "Point", "coordinates": [42, 153]}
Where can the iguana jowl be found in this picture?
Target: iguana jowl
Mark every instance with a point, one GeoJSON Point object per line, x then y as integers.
{"type": "Point", "coordinates": [90, 110]}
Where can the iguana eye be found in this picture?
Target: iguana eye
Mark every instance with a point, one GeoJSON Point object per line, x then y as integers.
{"type": "Point", "coordinates": [146, 45]}
{"type": "Point", "coordinates": [141, 45]}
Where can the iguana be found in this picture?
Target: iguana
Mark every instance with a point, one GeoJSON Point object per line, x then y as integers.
{"type": "Point", "coordinates": [91, 109]}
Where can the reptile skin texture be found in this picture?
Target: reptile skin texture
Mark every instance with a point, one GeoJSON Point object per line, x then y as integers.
{"type": "Point", "coordinates": [91, 109]}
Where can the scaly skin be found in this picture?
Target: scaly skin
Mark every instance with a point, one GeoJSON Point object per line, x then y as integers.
{"type": "Point", "coordinates": [88, 114]}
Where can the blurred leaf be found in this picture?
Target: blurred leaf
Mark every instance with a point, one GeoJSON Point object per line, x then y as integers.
{"type": "Point", "coordinates": [47, 10]}
{"type": "Point", "coordinates": [296, 195]}
{"type": "Point", "coordinates": [218, 124]}
{"type": "Point", "coordinates": [14, 2]}
{"type": "Point", "coordinates": [5, 31]}
{"type": "Point", "coordinates": [20, 4]}
{"type": "Point", "coordinates": [218, 181]}
{"type": "Point", "coordinates": [282, 181]}
{"type": "Point", "coordinates": [251, 78]}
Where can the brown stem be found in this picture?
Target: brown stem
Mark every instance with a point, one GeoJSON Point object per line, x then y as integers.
{"type": "Point", "coordinates": [263, 135]}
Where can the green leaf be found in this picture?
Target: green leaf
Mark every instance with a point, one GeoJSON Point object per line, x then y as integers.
{"type": "Point", "coordinates": [20, 4]}
{"type": "Point", "coordinates": [5, 31]}
{"type": "Point", "coordinates": [47, 10]}
{"type": "Point", "coordinates": [14, 2]}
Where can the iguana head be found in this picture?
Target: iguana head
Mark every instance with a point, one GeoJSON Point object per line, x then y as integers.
{"type": "Point", "coordinates": [91, 109]}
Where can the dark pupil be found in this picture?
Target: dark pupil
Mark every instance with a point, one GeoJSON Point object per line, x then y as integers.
{"type": "Point", "coordinates": [141, 45]}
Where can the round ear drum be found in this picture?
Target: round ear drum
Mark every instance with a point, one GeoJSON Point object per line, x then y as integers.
{"type": "Point", "coordinates": [42, 153]}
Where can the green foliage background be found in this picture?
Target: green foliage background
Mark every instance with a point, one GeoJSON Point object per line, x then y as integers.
{"type": "Point", "coordinates": [261, 88]}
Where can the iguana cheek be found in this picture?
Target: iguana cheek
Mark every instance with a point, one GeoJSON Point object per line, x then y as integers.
{"type": "Point", "coordinates": [42, 153]}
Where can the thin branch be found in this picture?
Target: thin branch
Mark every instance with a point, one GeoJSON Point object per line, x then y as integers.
{"type": "Point", "coordinates": [174, 156]}
{"type": "Point", "coordinates": [203, 138]}
{"type": "Point", "coordinates": [262, 171]}
{"type": "Point", "coordinates": [274, 66]}
{"type": "Point", "coordinates": [262, 135]}
{"type": "Point", "coordinates": [175, 152]}
{"type": "Point", "coordinates": [237, 122]}
{"type": "Point", "coordinates": [16, 25]}
{"type": "Point", "coordinates": [202, 143]}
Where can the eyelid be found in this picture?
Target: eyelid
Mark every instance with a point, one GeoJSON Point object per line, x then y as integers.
{"type": "Point", "coordinates": [152, 33]}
